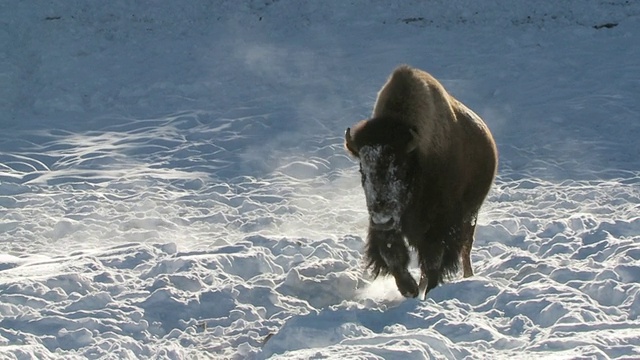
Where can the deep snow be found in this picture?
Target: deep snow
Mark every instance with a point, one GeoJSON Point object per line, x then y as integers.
{"type": "Point", "coordinates": [173, 182]}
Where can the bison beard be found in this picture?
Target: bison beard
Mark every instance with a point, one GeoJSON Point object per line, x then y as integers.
{"type": "Point", "coordinates": [388, 254]}
{"type": "Point", "coordinates": [427, 164]}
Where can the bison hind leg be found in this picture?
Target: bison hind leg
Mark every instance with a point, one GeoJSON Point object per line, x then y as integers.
{"type": "Point", "coordinates": [469, 229]}
{"type": "Point", "coordinates": [466, 261]}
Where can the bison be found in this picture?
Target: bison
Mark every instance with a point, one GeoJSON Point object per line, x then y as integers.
{"type": "Point", "coordinates": [427, 163]}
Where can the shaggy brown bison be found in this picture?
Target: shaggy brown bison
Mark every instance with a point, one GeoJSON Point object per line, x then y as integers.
{"type": "Point", "coordinates": [427, 163]}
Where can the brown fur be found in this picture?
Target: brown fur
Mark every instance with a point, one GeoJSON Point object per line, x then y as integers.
{"type": "Point", "coordinates": [449, 174]}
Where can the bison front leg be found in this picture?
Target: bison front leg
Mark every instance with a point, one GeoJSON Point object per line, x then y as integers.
{"type": "Point", "coordinates": [425, 285]}
{"type": "Point", "coordinates": [431, 274]}
{"type": "Point", "coordinates": [431, 252]}
{"type": "Point", "coordinates": [387, 253]}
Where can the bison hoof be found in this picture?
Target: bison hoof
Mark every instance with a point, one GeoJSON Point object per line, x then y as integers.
{"type": "Point", "coordinates": [407, 285]}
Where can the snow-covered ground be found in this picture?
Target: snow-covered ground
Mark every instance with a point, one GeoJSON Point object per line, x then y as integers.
{"type": "Point", "coordinates": [173, 182]}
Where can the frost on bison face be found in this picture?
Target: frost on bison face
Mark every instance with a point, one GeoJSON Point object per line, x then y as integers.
{"type": "Point", "coordinates": [385, 180]}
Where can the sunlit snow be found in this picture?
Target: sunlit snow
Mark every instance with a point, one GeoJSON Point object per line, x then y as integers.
{"type": "Point", "coordinates": [173, 182]}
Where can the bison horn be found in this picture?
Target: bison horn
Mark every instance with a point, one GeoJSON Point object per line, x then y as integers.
{"type": "Point", "coordinates": [413, 143]}
{"type": "Point", "coordinates": [348, 143]}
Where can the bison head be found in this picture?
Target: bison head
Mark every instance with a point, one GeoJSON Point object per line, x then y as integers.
{"type": "Point", "coordinates": [385, 151]}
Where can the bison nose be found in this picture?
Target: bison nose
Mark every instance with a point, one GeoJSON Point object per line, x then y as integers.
{"type": "Point", "coordinates": [381, 221]}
